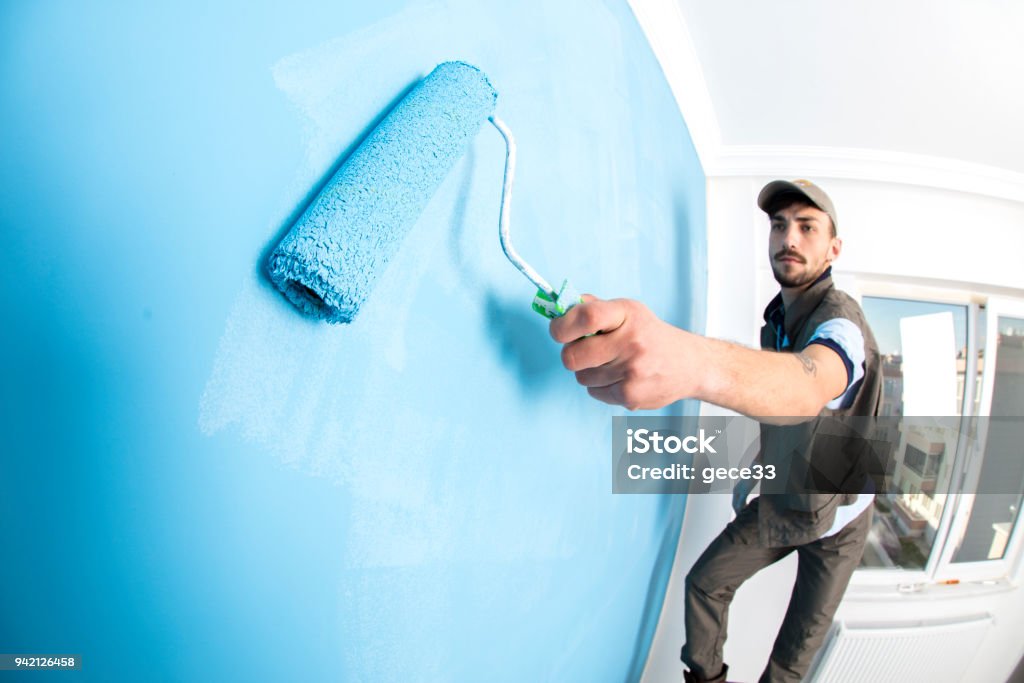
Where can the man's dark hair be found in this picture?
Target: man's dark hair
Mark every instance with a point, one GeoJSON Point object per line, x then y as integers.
{"type": "Point", "coordinates": [780, 202]}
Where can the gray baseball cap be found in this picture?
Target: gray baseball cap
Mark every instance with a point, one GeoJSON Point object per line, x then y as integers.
{"type": "Point", "coordinates": [805, 188]}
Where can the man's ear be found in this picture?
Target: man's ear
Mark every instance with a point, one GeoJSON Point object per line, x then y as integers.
{"type": "Point", "coordinates": [836, 248]}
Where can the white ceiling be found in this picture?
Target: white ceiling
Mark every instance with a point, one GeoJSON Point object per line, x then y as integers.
{"type": "Point", "coordinates": [942, 78]}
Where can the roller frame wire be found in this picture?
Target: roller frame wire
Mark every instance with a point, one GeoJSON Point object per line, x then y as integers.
{"type": "Point", "coordinates": [504, 215]}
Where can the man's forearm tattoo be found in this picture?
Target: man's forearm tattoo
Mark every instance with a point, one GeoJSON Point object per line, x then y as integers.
{"type": "Point", "coordinates": [809, 366]}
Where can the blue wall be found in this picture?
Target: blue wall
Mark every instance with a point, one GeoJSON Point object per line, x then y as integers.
{"type": "Point", "coordinates": [197, 483]}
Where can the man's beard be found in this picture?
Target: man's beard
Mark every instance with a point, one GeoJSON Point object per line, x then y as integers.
{"type": "Point", "coordinates": [797, 279]}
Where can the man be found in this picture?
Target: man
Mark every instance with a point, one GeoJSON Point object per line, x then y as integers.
{"type": "Point", "coordinates": [818, 358]}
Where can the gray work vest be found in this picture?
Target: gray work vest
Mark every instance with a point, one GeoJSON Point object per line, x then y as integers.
{"type": "Point", "coordinates": [821, 460]}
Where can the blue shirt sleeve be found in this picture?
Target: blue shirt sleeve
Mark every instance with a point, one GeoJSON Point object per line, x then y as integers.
{"type": "Point", "coordinates": [846, 339]}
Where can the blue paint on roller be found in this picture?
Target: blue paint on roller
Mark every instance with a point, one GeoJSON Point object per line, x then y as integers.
{"type": "Point", "coordinates": [332, 256]}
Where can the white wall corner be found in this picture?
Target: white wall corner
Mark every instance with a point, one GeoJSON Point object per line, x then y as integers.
{"type": "Point", "coordinates": [872, 165]}
{"type": "Point", "coordinates": [663, 23]}
{"type": "Point", "coordinates": [669, 36]}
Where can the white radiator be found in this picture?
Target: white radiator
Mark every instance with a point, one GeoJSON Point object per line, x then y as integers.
{"type": "Point", "coordinates": [933, 651]}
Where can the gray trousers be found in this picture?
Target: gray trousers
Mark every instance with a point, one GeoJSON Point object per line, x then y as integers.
{"type": "Point", "coordinates": [825, 568]}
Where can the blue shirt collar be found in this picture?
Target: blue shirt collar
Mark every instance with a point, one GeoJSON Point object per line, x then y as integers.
{"type": "Point", "coordinates": [775, 313]}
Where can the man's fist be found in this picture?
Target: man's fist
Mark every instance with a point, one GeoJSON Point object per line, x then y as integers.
{"type": "Point", "coordinates": [633, 359]}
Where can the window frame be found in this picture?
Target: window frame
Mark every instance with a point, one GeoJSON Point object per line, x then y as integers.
{"type": "Point", "coordinates": [957, 507]}
{"type": "Point", "coordinates": [982, 570]}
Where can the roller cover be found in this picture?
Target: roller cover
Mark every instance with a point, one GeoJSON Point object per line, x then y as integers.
{"type": "Point", "coordinates": [330, 259]}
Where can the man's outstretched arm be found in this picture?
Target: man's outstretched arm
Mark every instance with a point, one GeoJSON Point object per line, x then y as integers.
{"type": "Point", "coordinates": [641, 362]}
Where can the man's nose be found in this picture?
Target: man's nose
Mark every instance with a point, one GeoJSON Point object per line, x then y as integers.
{"type": "Point", "coordinates": [792, 235]}
{"type": "Point", "coordinates": [786, 241]}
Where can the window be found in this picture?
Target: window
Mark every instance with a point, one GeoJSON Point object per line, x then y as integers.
{"type": "Point", "coordinates": [953, 373]}
{"type": "Point", "coordinates": [993, 510]}
{"type": "Point", "coordinates": [924, 350]}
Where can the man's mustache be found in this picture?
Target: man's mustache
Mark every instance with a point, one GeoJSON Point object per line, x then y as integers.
{"type": "Point", "coordinates": [790, 254]}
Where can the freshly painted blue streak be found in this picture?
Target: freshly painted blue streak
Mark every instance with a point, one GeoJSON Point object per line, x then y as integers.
{"type": "Point", "coordinates": [330, 260]}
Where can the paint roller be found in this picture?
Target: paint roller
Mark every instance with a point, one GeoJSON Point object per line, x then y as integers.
{"type": "Point", "coordinates": [330, 259]}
